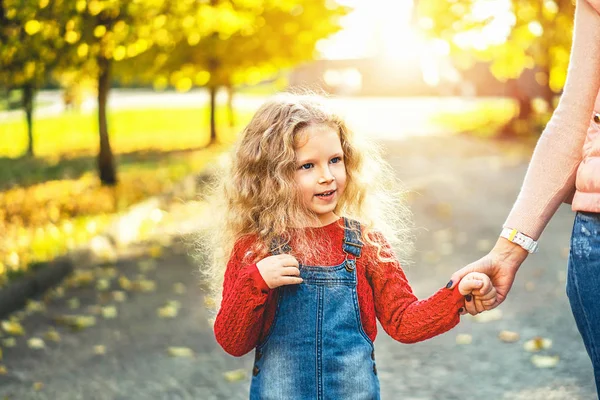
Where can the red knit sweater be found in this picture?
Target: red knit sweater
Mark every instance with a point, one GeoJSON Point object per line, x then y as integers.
{"type": "Point", "coordinates": [248, 306]}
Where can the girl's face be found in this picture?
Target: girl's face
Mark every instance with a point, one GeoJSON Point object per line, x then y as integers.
{"type": "Point", "coordinates": [320, 173]}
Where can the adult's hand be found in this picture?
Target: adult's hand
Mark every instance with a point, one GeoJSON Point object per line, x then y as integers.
{"type": "Point", "coordinates": [501, 265]}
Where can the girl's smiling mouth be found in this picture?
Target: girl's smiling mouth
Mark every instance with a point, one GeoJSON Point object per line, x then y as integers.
{"type": "Point", "coordinates": [326, 195]}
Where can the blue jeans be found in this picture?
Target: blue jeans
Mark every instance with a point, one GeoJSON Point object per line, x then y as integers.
{"type": "Point", "coordinates": [583, 284]}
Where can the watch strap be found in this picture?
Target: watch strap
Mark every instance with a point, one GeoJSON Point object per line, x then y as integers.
{"type": "Point", "coordinates": [519, 238]}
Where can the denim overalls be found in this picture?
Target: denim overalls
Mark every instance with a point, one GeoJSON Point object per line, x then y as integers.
{"type": "Point", "coordinates": [316, 347]}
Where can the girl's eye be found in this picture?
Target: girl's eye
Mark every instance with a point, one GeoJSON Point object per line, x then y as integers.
{"type": "Point", "coordinates": [336, 160]}
{"type": "Point", "coordinates": [306, 166]}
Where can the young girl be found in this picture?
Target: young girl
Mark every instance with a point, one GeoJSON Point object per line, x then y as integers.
{"type": "Point", "coordinates": [308, 274]}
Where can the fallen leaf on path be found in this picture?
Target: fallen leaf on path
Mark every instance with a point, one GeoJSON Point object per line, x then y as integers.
{"type": "Point", "coordinates": [102, 284]}
{"type": "Point", "coordinates": [38, 386]}
{"type": "Point", "coordinates": [508, 336]}
{"type": "Point", "coordinates": [537, 343]}
{"type": "Point", "coordinates": [144, 285]}
{"type": "Point", "coordinates": [124, 282]}
{"type": "Point", "coordinates": [56, 293]}
{"type": "Point", "coordinates": [109, 312]}
{"type": "Point", "coordinates": [444, 210]}
{"type": "Point", "coordinates": [537, 272]}
{"type": "Point", "coordinates": [180, 352]}
{"type": "Point", "coordinates": [179, 288]}
{"type": "Point", "coordinates": [94, 309]}
{"type": "Point", "coordinates": [52, 335]}
{"type": "Point", "coordinates": [13, 328]}
{"type": "Point", "coordinates": [464, 338]}
{"type": "Point", "coordinates": [80, 278]}
{"type": "Point", "coordinates": [235, 375]}
{"type": "Point", "coordinates": [530, 286]}
{"type": "Point", "coordinates": [147, 265]}
{"type": "Point", "coordinates": [35, 306]}
{"type": "Point", "coordinates": [73, 303]}
{"type": "Point", "coordinates": [36, 343]}
{"type": "Point", "coordinates": [446, 249]}
{"type": "Point", "coordinates": [9, 342]}
{"type": "Point", "coordinates": [0, 353]}
{"type": "Point", "coordinates": [104, 297]}
{"type": "Point", "coordinates": [544, 361]}
{"type": "Point", "coordinates": [100, 350]}
{"type": "Point", "coordinates": [488, 316]}
{"type": "Point", "coordinates": [106, 272]}
{"type": "Point", "coordinates": [155, 251]}
{"type": "Point", "coordinates": [167, 312]}
{"type": "Point", "coordinates": [119, 296]}
{"type": "Point", "coordinates": [3, 370]}
{"type": "Point", "coordinates": [209, 302]}
{"type": "Point", "coordinates": [170, 310]}
{"type": "Point", "coordinates": [443, 235]}
{"type": "Point", "coordinates": [431, 257]}
{"type": "Point", "coordinates": [76, 322]}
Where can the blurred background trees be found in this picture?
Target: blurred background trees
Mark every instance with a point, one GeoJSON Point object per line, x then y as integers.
{"type": "Point", "coordinates": [31, 38]}
{"type": "Point", "coordinates": [182, 44]}
{"type": "Point", "coordinates": [487, 68]}
{"type": "Point", "coordinates": [512, 36]}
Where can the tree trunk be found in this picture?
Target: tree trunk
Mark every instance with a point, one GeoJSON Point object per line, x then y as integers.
{"type": "Point", "coordinates": [27, 102]}
{"type": "Point", "coordinates": [523, 120]}
{"type": "Point", "coordinates": [213, 104]}
{"type": "Point", "coordinates": [230, 113]}
{"type": "Point", "coordinates": [212, 88]}
{"type": "Point", "coordinates": [522, 98]}
{"type": "Point", "coordinates": [106, 161]}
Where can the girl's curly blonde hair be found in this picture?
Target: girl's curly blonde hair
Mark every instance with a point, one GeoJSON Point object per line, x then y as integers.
{"type": "Point", "coordinates": [257, 194]}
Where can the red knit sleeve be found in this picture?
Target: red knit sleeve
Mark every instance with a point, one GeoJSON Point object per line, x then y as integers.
{"type": "Point", "coordinates": [404, 317]}
{"type": "Point", "coordinates": [239, 321]}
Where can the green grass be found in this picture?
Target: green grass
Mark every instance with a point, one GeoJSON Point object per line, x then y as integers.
{"type": "Point", "coordinates": [66, 145]}
{"type": "Point", "coordinates": [130, 130]}
{"type": "Point", "coordinates": [483, 118]}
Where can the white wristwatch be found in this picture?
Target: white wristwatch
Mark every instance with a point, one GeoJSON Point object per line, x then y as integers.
{"type": "Point", "coordinates": [519, 238]}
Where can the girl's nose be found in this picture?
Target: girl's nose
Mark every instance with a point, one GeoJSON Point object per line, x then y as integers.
{"type": "Point", "coordinates": [327, 177]}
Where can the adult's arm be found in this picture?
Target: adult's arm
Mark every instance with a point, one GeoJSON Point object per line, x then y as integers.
{"type": "Point", "coordinates": [551, 173]}
{"type": "Point", "coordinates": [595, 4]}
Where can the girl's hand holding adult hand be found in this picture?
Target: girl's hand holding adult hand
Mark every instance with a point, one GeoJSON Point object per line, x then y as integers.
{"type": "Point", "coordinates": [279, 270]}
{"type": "Point", "coordinates": [501, 265]}
{"type": "Point", "coordinates": [478, 289]}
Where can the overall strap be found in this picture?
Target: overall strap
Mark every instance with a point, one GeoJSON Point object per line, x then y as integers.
{"type": "Point", "coordinates": [352, 243]}
{"type": "Point", "coordinates": [279, 246]}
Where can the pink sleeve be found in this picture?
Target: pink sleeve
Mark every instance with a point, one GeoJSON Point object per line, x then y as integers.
{"type": "Point", "coordinates": [551, 174]}
{"type": "Point", "coordinates": [595, 4]}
